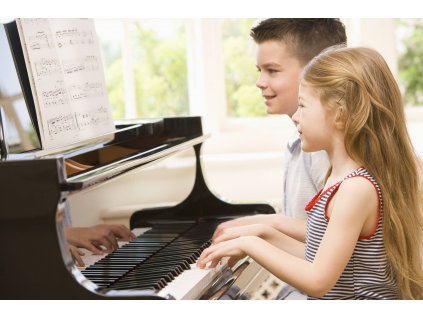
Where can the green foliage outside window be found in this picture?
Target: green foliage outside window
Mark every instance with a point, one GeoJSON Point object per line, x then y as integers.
{"type": "Point", "coordinates": [410, 63]}
{"type": "Point", "coordinates": [160, 72]}
{"type": "Point", "coordinates": [161, 83]}
{"type": "Point", "coordinates": [114, 76]}
{"type": "Point", "coordinates": [160, 69]}
{"type": "Point", "coordinates": [243, 97]}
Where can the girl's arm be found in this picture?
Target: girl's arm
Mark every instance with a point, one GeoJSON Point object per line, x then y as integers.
{"type": "Point", "coordinates": [267, 233]}
{"type": "Point", "coordinates": [295, 228]}
{"type": "Point", "coordinates": [292, 227]}
{"type": "Point", "coordinates": [356, 205]}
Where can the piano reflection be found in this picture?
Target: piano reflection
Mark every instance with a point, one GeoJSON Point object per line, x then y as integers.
{"type": "Point", "coordinates": [36, 188]}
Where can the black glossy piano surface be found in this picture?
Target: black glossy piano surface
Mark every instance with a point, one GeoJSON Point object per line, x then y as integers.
{"type": "Point", "coordinates": [31, 218]}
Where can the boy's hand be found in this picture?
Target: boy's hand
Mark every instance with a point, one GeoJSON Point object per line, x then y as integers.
{"type": "Point", "coordinates": [76, 254]}
{"type": "Point", "coordinates": [96, 237]}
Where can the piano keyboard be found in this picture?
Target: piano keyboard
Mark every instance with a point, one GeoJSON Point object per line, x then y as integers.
{"type": "Point", "coordinates": [161, 258]}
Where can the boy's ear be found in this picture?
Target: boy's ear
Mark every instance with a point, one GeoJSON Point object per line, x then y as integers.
{"type": "Point", "coordinates": [340, 118]}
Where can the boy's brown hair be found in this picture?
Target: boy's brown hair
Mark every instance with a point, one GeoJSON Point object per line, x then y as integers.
{"type": "Point", "coordinates": [304, 38]}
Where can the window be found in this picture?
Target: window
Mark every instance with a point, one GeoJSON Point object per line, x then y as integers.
{"type": "Point", "coordinates": [243, 98]}
{"type": "Point", "coordinates": [176, 67]}
{"type": "Point", "coordinates": [145, 67]}
{"type": "Point", "coordinates": [410, 62]}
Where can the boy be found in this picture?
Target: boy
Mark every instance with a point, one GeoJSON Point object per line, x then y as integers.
{"type": "Point", "coordinates": [285, 46]}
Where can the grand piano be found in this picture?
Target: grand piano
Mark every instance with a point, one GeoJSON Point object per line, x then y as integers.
{"type": "Point", "coordinates": [37, 186]}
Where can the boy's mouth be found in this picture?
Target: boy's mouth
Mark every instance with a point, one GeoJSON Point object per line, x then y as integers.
{"type": "Point", "coordinates": [268, 99]}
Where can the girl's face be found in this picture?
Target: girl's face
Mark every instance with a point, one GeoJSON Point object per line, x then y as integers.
{"type": "Point", "coordinates": [314, 122]}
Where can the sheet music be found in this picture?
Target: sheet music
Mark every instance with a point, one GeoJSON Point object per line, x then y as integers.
{"type": "Point", "coordinates": [67, 79]}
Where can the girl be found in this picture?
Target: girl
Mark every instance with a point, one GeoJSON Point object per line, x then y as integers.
{"type": "Point", "coordinates": [363, 235]}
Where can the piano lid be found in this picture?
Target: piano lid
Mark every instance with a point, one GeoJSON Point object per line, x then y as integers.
{"type": "Point", "coordinates": [129, 147]}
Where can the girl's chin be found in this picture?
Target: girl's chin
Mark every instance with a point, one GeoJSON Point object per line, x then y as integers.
{"type": "Point", "coordinates": [305, 147]}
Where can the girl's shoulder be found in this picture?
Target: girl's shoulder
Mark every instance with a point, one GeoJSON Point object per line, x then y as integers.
{"type": "Point", "coordinates": [358, 194]}
{"type": "Point", "coordinates": [359, 186]}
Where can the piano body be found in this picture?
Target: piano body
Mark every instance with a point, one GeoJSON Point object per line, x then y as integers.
{"type": "Point", "coordinates": [38, 190]}
{"type": "Point", "coordinates": [36, 187]}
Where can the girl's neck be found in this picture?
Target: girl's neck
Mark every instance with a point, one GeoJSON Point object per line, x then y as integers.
{"type": "Point", "coordinates": [342, 165]}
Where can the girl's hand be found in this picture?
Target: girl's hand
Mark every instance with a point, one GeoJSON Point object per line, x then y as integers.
{"type": "Point", "coordinates": [215, 252]}
{"type": "Point", "coordinates": [265, 219]}
{"type": "Point", "coordinates": [227, 234]}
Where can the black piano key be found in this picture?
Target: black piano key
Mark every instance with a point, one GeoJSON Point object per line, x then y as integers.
{"type": "Point", "coordinates": [111, 262]}
{"type": "Point", "coordinates": [142, 247]}
{"type": "Point", "coordinates": [149, 273]}
{"type": "Point", "coordinates": [107, 266]}
{"type": "Point", "coordinates": [105, 270]}
{"type": "Point", "coordinates": [153, 259]}
{"type": "Point", "coordinates": [151, 283]}
{"type": "Point", "coordinates": [102, 280]}
{"type": "Point", "coordinates": [157, 267]}
{"type": "Point", "coordinates": [149, 276]}
{"type": "Point", "coordinates": [182, 254]}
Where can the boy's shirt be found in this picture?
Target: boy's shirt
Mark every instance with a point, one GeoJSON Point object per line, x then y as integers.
{"type": "Point", "coordinates": [304, 177]}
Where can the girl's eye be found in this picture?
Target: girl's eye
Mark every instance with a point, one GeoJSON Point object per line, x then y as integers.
{"type": "Point", "coordinates": [300, 105]}
{"type": "Point", "coordinates": [271, 71]}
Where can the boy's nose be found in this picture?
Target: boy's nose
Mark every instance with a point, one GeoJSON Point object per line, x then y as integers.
{"type": "Point", "coordinates": [260, 83]}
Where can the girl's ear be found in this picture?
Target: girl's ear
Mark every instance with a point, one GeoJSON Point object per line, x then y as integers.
{"type": "Point", "coordinates": [339, 118]}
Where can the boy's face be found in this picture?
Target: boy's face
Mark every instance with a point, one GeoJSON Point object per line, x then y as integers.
{"type": "Point", "coordinates": [279, 77]}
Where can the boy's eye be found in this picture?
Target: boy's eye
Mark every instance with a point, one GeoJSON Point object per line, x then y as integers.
{"type": "Point", "coordinates": [272, 71]}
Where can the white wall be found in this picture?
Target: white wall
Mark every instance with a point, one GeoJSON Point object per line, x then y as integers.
{"type": "Point", "coordinates": [237, 178]}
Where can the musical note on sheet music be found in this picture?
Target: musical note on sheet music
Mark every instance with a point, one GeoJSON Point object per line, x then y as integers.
{"type": "Point", "coordinates": [46, 67]}
{"type": "Point", "coordinates": [67, 78]}
{"type": "Point", "coordinates": [96, 117]}
{"type": "Point", "coordinates": [61, 124]}
{"type": "Point", "coordinates": [58, 95]}
{"type": "Point", "coordinates": [86, 90]}
{"type": "Point", "coordinates": [40, 41]}
{"type": "Point", "coordinates": [87, 63]}
{"type": "Point", "coordinates": [70, 37]}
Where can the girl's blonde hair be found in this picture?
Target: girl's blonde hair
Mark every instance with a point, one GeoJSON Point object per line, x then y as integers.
{"type": "Point", "coordinates": [358, 84]}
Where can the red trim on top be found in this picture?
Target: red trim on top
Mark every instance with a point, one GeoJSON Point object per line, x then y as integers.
{"type": "Point", "coordinates": [318, 196]}
{"type": "Point", "coordinates": [313, 201]}
{"type": "Point", "coordinates": [361, 237]}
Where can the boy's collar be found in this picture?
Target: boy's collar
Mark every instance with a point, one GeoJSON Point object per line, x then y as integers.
{"type": "Point", "coordinates": [294, 141]}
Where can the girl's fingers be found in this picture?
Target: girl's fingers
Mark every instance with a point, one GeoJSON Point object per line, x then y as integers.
{"type": "Point", "coordinates": [214, 263]}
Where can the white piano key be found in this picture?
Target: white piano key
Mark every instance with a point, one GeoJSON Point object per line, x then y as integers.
{"type": "Point", "coordinates": [191, 283]}
{"type": "Point", "coordinates": [89, 258]}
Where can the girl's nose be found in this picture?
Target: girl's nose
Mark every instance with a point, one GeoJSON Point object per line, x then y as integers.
{"type": "Point", "coordinates": [296, 117]}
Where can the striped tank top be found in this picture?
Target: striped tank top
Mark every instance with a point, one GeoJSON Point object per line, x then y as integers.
{"type": "Point", "coordinates": [367, 274]}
